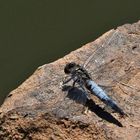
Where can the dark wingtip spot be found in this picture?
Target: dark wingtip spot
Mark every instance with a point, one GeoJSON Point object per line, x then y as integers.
{"type": "Point", "coordinates": [134, 47]}
{"type": "Point", "coordinates": [112, 60]}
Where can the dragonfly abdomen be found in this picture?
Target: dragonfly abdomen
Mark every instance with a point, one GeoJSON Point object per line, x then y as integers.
{"type": "Point", "coordinates": [100, 93]}
{"type": "Point", "coordinates": [96, 90]}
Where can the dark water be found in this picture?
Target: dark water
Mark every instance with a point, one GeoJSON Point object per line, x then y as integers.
{"type": "Point", "coordinates": [35, 32]}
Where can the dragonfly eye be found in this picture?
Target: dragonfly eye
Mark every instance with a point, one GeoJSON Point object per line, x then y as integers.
{"type": "Point", "coordinates": [71, 64]}
{"type": "Point", "coordinates": [69, 67]}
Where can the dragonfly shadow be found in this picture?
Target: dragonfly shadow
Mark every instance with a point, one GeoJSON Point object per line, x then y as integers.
{"type": "Point", "coordinates": [78, 95]}
{"type": "Point", "coordinates": [102, 113]}
{"type": "Point", "coordinates": [75, 94]}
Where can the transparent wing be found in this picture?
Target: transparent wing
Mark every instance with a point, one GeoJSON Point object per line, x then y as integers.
{"type": "Point", "coordinates": [98, 55]}
{"type": "Point", "coordinates": [98, 61]}
{"type": "Point", "coordinates": [114, 61]}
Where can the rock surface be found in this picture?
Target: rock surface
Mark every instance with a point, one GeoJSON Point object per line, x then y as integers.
{"type": "Point", "coordinates": [40, 110]}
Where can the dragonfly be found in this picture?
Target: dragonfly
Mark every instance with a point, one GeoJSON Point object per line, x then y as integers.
{"type": "Point", "coordinates": [80, 76]}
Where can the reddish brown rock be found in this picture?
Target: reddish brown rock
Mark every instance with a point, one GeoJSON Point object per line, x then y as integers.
{"type": "Point", "coordinates": [39, 109]}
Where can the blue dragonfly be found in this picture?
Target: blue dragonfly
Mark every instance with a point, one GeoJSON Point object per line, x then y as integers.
{"type": "Point", "coordinates": [81, 76]}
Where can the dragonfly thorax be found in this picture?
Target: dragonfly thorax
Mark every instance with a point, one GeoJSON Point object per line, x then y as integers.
{"type": "Point", "coordinates": [76, 71]}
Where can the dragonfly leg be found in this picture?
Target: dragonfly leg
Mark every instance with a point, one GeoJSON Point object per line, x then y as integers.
{"type": "Point", "coordinates": [86, 111]}
{"type": "Point", "coordinates": [73, 85]}
{"type": "Point", "coordinates": [65, 81]}
{"type": "Point", "coordinates": [86, 108]}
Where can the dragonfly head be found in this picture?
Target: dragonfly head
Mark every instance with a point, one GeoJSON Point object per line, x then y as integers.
{"type": "Point", "coordinates": [70, 68]}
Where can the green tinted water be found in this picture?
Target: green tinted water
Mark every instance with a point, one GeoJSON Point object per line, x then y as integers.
{"type": "Point", "coordinates": [35, 32]}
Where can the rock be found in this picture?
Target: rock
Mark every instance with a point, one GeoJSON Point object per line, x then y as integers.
{"type": "Point", "coordinates": [40, 109]}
